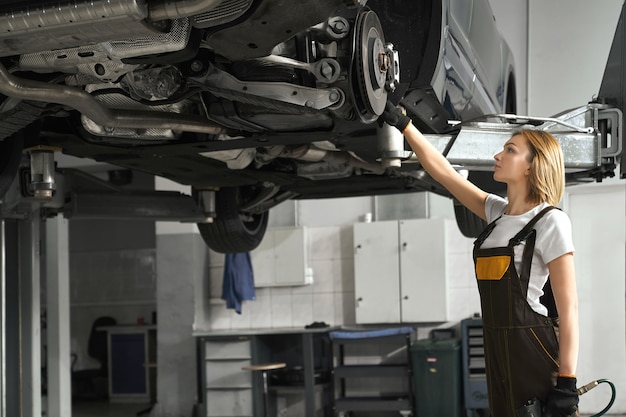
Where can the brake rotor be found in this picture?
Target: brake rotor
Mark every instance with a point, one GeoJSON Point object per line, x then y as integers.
{"type": "Point", "coordinates": [370, 67]}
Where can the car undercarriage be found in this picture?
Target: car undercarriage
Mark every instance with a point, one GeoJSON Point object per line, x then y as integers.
{"type": "Point", "coordinates": [249, 102]}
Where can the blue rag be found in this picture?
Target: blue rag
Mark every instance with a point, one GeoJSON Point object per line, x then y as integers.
{"type": "Point", "coordinates": [238, 284]}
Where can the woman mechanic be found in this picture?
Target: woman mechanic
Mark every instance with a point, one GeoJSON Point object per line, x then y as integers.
{"type": "Point", "coordinates": [526, 241]}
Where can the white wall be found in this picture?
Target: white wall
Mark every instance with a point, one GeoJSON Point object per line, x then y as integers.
{"type": "Point", "coordinates": [331, 297]}
{"type": "Point", "coordinates": [512, 20]}
{"type": "Point", "coordinates": [568, 42]}
{"type": "Point", "coordinates": [599, 238]}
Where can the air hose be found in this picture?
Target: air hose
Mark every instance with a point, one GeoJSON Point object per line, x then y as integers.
{"type": "Point", "coordinates": [592, 385]}
{"type": "Point", "coordinates": [534, 408]}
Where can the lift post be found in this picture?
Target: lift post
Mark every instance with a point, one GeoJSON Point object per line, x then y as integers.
{"type": "Point", "coordinates": [20, 310]}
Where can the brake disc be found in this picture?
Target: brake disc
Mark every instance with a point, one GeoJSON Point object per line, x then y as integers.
{"type": "Point", "coordinates": [370, 67]}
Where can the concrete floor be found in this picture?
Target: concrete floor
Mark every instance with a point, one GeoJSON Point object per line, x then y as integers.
{"type": "Point", "coordinates": [105, 409]}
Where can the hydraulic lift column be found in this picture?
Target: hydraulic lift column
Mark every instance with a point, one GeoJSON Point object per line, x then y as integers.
{"type": "Point", "coordinates": [57, 275]}
{"type": "Point", "coordinates": [21, 319]}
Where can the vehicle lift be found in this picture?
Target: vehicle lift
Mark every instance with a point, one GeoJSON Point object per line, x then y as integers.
{"type": "Point", "coordinates": [35, 211]}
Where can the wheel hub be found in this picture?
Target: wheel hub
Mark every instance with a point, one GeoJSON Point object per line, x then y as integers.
{"type": "Point", "coordinates": [371, 65]}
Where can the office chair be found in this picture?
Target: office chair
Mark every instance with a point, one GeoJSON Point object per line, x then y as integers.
{"type": "Point", "coordinates": [92, 384]}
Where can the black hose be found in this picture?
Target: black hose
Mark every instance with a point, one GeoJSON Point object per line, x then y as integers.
{"type": "Point", "coordinates": [594, 384]}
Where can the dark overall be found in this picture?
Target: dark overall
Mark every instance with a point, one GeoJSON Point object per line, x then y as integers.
{"type": "Point", "coordinates": [521, 346]}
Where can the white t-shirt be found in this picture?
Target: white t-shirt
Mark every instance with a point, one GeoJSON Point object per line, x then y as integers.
{"type": "Point", "coordinates": [554, 239]}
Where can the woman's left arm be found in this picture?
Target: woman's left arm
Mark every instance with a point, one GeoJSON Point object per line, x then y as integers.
{"type": "Point", "coordinates": [563, 281]}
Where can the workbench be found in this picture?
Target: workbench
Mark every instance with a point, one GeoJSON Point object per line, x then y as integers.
{"type": "Point", "coordinates": [227, 390]}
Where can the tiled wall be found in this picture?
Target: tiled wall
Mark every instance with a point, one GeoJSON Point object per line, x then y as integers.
{"type": "Point", "coordinates": [112, 273]}
{"type": "Point", "coordinates": [330, 298]}
{"type": "Point", "coordinates": [116, 283]}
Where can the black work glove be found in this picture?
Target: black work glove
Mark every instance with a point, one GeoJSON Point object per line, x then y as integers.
{"type": "Point", "coordinates": [562, 399]}
{"type": "Point", "coordinates": [393, 116]}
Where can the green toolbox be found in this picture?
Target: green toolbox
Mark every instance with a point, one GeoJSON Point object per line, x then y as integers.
{"type": "Point", "coordinates": [437, 372]}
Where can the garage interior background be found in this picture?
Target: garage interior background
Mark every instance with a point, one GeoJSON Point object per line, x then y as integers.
{"type": "Point", "coordinates": [134, 269]}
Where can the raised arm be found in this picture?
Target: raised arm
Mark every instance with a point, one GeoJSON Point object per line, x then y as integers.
{"type": "Point", "coordinates": [436, 164]}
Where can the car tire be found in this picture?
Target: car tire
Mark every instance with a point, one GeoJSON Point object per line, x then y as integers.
{"type": "Point", "coordinates": [229, 232]}
{"type": "Point", "coordinates": [469, 224]}
{"type": "Point", "coordinates": [10, 157]}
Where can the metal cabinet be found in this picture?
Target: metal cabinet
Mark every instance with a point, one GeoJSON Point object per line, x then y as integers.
{"type": "Point", "coordinates": [282, 258]}
{"type": "Point", "coordinates": [475, 395]}
{"type": "Point", "coordinates": [227, 389]}
{"type": "Point", "coordinates": [405, 266]}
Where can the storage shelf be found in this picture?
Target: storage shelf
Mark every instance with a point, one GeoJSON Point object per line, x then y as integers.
{"type": "Point", "coordinates": [372, 404]}
{"type": "Point", "coordinates": [295, 389]}
{"type": "Point", "coordinates": [238, 358]}
{"type": "Point", "coordinates": [387, 339]}
{"type": "Point", "coordinates": [227, 387]}
{"type": "Point", "coordinates": [345, 375]}
{"type": "Point", "coordinates": [378, 371]}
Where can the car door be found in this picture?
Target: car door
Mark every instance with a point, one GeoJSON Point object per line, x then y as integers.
{"type": "Point", "coordinates": [458, 63]}
{"type": "Point", "coordinates": [473, 29]}
{"type": "Point", "coordinates": [486, 41]}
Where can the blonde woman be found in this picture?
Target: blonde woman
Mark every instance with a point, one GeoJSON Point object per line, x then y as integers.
{"type": "Point", "coordinates": [526, 245]}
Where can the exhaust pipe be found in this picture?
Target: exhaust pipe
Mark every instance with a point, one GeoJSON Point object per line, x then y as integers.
{"type": "Point", "coordinates": [67, 24]}
{"type": "Point", "coordinates": [78, 99]}
{"type": "Point", "coordinates": [176, 9]}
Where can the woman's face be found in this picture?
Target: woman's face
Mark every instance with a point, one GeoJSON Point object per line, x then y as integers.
{"type": "Point", "coordinates": [513, 162]}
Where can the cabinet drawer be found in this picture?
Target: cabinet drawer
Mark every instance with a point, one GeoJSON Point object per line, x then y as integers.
{"type": "Point", "coordinates": [229, 403]}
{"type": "Point", "coordinates": [227, 349]}
{"type": "Point", "coordinates": [228, 374]}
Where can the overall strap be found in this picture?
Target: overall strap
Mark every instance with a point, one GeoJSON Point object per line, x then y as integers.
{"type": "Point", "coordinates": [523, 234]}
{"type": "Point", "coordinates": [485, 234]}
{"type": "Point", "coordinates": [529, 235]}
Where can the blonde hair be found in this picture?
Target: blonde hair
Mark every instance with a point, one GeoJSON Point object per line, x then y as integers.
{"type": "Point", "coordinates": [547, 169]}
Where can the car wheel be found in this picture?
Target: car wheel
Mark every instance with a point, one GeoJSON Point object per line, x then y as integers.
{"type": "Point", "coordinates": [510, 104]}
{"type": "Point", "coordinates": [10, 157]}
{"type": "Point", "coordinates": [469, 224]}
{"type": "Point", "coordinates": [233, 231]}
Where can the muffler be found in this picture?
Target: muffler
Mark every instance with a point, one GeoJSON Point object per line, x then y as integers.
{"type": "Point", "coordinates": [66, 25]}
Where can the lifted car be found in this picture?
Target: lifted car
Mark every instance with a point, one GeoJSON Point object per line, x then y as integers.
{"type": "Point", "coordinates": [250, 102]}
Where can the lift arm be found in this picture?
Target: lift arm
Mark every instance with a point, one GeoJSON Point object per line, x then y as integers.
{"type": "Point", "coordinates": [590, 137]}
